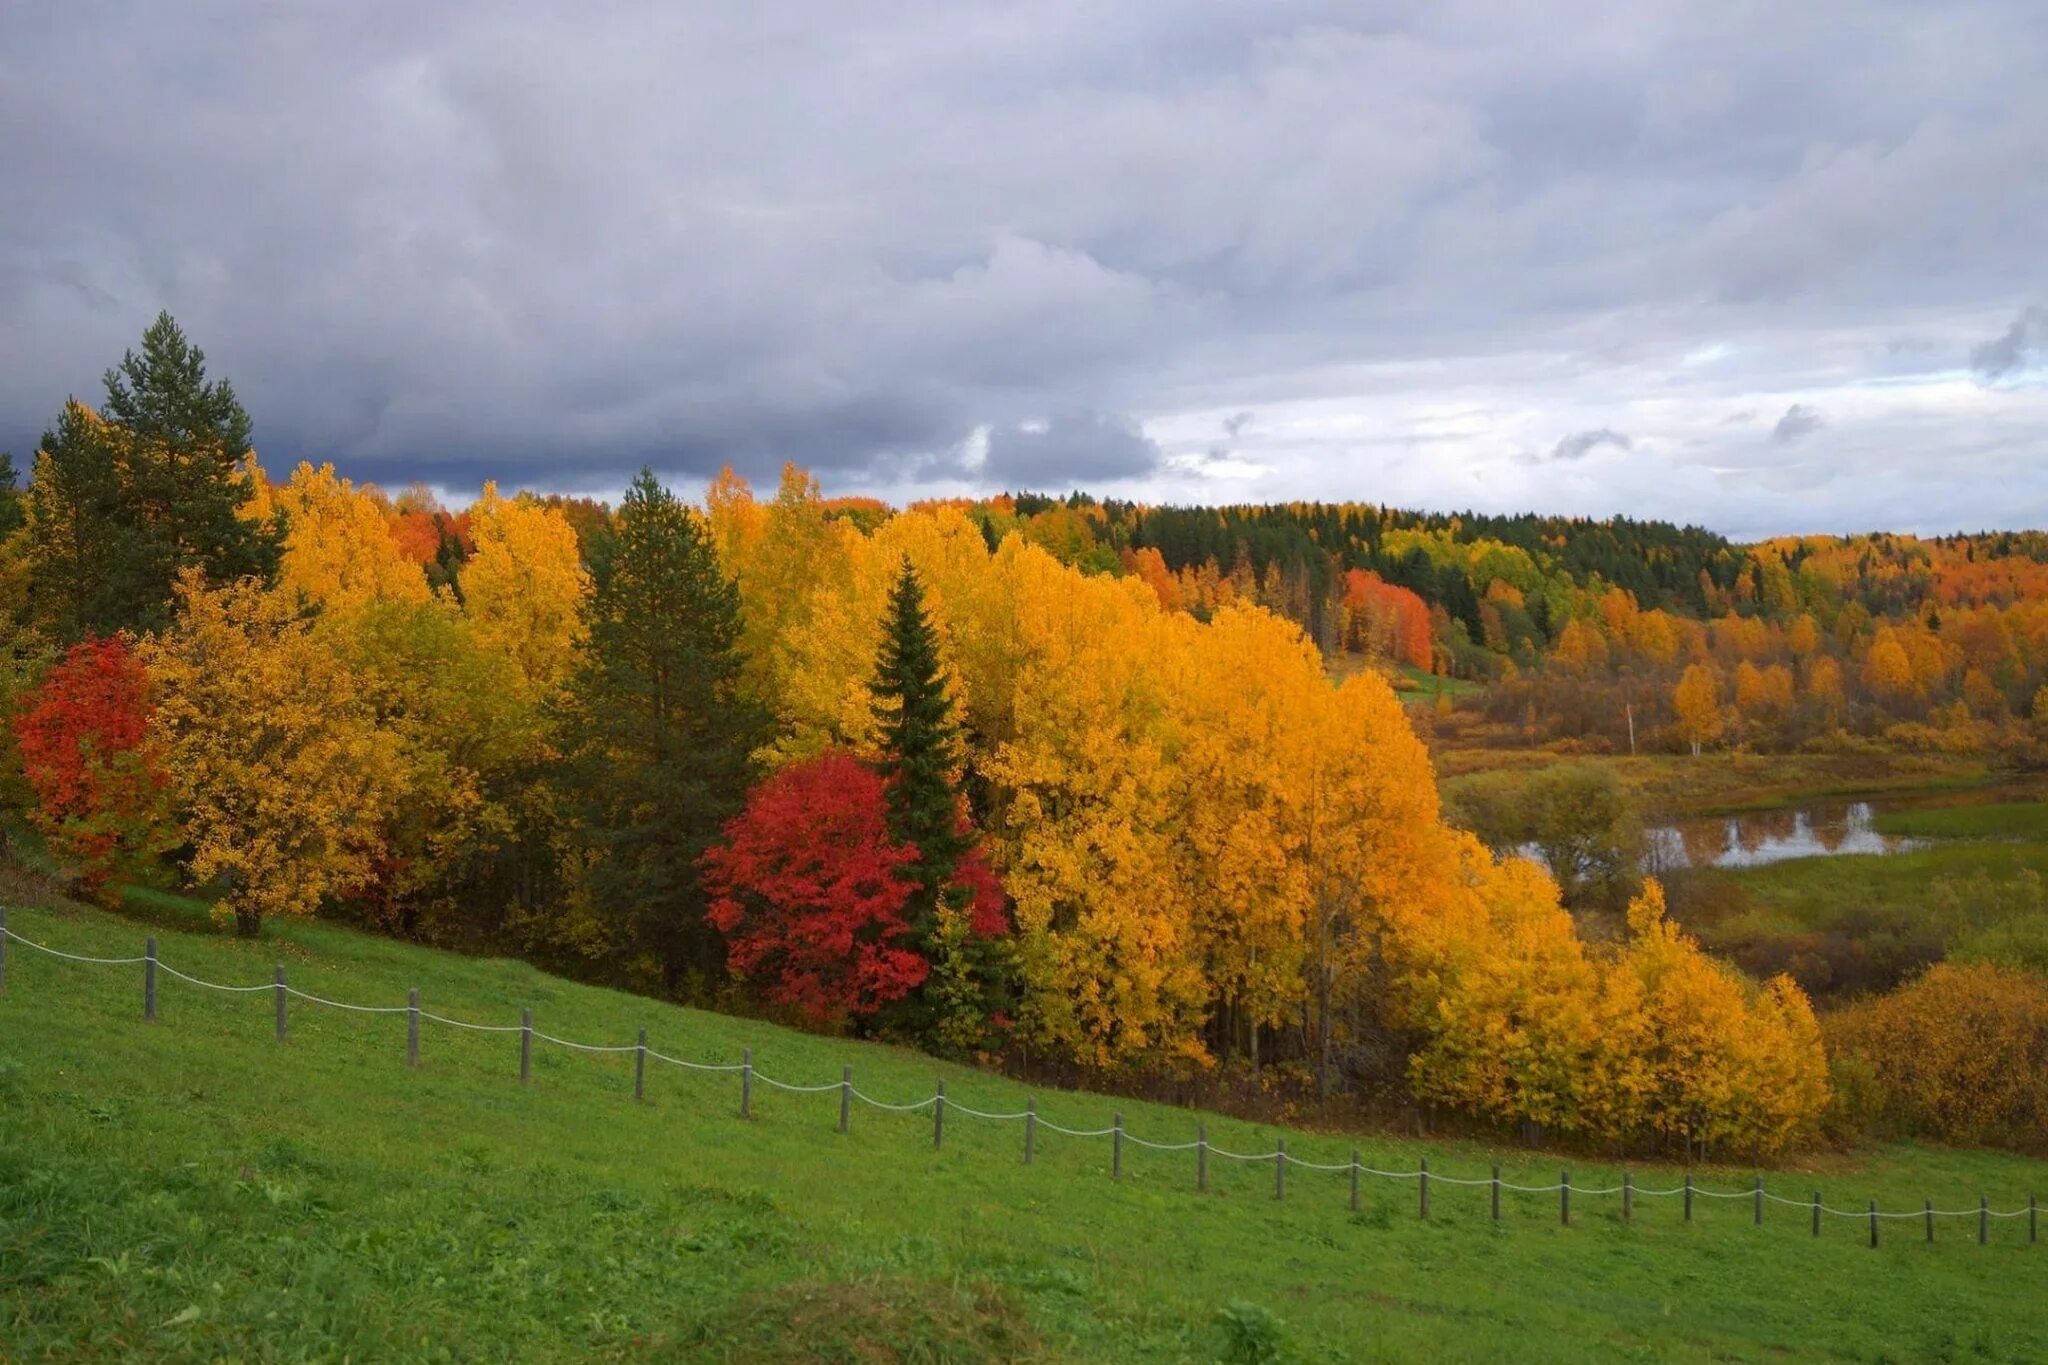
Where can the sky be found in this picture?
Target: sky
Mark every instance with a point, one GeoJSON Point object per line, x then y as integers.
{"type": "Point", "coordinates": [1766, 268]}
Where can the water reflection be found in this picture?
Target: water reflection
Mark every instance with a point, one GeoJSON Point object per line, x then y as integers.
{"type": "Point", "coordinates": [1752, 840]}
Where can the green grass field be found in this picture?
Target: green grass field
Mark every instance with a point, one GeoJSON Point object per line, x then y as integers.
{"type": "Point", "coordinates": [2000, 820]}
{"type": "Point", "coordinates": [190, 1189]}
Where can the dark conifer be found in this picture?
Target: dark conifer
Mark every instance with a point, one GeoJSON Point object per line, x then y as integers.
{"type": "Point", "coordinates": [920, 746]}
{"type": "Point", "coordinates": [657, 735]}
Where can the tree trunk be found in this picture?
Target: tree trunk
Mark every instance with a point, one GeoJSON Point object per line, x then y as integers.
{"type": "Point", "coordinates": [248, 924]}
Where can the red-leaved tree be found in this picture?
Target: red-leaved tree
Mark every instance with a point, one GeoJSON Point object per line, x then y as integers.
{"type": "Point", "coordinates": [102, 798]}
{"type": "Point", "coordinates": [808, 890]}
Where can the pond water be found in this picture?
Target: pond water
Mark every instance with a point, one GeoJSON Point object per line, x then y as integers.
{"type": "Point", "coordinates": [1755, 838]}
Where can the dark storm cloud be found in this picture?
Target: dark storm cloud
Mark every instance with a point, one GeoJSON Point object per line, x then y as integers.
{"type": "Point", "coordinates": [1077, 449]}
{"type": "Point", "coordinates": [542, 243]}
{"type": "Point", "coordinates": [1798, 422]}
{"type": "Point", "coordinates": [2021, 343]}
{"type": "Point", "coordinates": [1580, 444]}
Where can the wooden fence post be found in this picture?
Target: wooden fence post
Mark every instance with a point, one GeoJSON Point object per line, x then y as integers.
{"type": "Point", "coordinates": [1030, 1127]}
{"type": "Point", "coordinates": [1759, 1200]}
{"type": "Point", "coordinates": [149, 978]}
{"type": "Point", "coordinates": [746, 1082]}
{"type": "Point", "coordinates": [1422, 1192]}
{"type": "Point", "coordinates": [1279, 1168]}
{"type": "Point", "coordinates": [280, 1002]}
{"type": "Point", "coordinates": [1930, 1220]}
{"type": "Point", "coordinates": [939, 1117]}
{"type": "Point", "coordinates": [1354, 1180]}
{"type": "Point", "coordinates": [1983, 1220]}
{"type": "Point", "coordinates": [1628, 1197]}
{"type": "Point", "coordinates": [640, 1065]}
{"type": "Point", "coordinates": [846, 1097]}
{"type": "Point", "coordinates": [3, 947]}
{"type": "Point", "coordinates": [1116, 1146]}
{"type": "Point", "coordinates": [1564, 1198]}
{"type": "Point", "coordinates": [1202, 1156]}
{"type": "Point", "coordinates": [525, 1045]}
{"type": "Point", "coordinates": [1688, 1196]}
{"type": "Point", "coordinates": [1496, 1194]}
{"type": "Point", "coordinates": [1816, 1213]}
{"type": "Point", "coordinates": [412, 1027]}
{"type": "Point", "coordinates": [1873, 1223]}
{"type": "Point", "coordinates": [2033, 1221]}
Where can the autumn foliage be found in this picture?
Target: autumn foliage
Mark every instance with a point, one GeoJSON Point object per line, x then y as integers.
{"type": "Point", "coordinates": [1961, 1054]}
{"type": "Point", "coordinates": [1382, 619]}
{"type": "Point", "coordinates": [813, 893]}
{"type": "Point", "coordinates": [96, 772]}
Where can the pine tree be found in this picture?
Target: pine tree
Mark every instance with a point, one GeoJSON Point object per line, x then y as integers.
{"type": "Point", "coordinates": [920, 748]}
{"type": "Point", "coordinates": [955, 911]}
{"type": "Point", "coordinates": [124, 500]}
{"type": "Point", "coordinates": [10, 495]}
{"type": "Point", "coordinates": [80, 573]}
{"type": "Point", "coordinates": [657, 735]}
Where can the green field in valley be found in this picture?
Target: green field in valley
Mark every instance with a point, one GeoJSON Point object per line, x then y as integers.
{"type": "Point", "coordinates": [190, 1189]}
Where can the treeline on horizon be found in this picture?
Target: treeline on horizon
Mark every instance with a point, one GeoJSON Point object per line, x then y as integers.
{"type": "Point", "coordinates": [1585, 629]}
{"type": "Point", "coordinates": [959, 775]}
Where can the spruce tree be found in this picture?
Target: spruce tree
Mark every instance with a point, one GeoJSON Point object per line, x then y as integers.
{"type": "Point", "coordinates": [190, 440]}
{"type": "Point", "coordinates": [657, 734]}
{"type": "Point", "coordinates": [920, 748]}
{"type": "Point", "coordinates": [150, 486]}
{"type": "Point", "coordinates": [82, 573]}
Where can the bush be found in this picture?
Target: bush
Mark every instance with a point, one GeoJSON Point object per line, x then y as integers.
{"type": "Point", "coordinates": [1959, 1054]}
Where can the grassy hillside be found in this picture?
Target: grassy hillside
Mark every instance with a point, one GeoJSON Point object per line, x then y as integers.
{"type": "Point", "coordinates": [190, 1189]}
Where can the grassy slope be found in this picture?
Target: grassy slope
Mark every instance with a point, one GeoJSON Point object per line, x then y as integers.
{"type": "Point", "coordinates": [190, 1189]}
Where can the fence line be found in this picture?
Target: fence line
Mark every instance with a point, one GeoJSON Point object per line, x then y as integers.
{"type": "Point", "coordinates": [939, 1102]}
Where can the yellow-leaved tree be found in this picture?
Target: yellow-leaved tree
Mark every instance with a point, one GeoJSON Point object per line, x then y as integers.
{"type": "Point", "coordinates": [1086, 834]}
{"type": "Point", "coordinates": [1697, 701]}
{"type": "Point", "coordinates": [1723, 1063]}
{"type": "Point", "coordinates": [281, 771]}
{"type": "Point", "coordinates": [338, 549]}
{"type": "Point", "coordinates": [523, 591]}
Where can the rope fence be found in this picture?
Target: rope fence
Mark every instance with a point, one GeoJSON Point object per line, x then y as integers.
{"type": "Point", "coordinates": [939, 1104]}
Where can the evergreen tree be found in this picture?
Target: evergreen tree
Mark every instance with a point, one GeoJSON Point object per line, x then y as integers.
{"type": "Point", "coordinates": [920, 748]}
{"type": "Point", "coordinates": [79, 572]}
{"type": "Point", "coordinates": [657, 735]}
{"type": "Point", "coordinates": [152, 485]}
{"type": "Point", "coordinates": [10, 495]}
{"type": "Point", "coordinates": [955, 909]}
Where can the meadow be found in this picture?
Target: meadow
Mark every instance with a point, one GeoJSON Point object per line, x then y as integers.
{"type": "Point", "coordinates": [1974, 885]}
{"type": "Point", "coordinates": [191, 1189]}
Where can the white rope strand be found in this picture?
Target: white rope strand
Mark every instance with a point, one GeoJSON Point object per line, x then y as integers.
{"type": "Point", "coordinates": [213, 985]}
{"type": "Point", "coordinates": [804, 1089]}
{"type": "Point", "coordinates": [584, 1047]}
{"type": "Point", "coordinates": [474, 1028]}
{"type": "Point", "coordinates": [74, 957]}
{"type": "Point", "coordinates": [1076, 1132]}
{"type": "Point", "coordinates": [700, 1066]}
{"type": "Point", "coordinates": [344, 1005]}
{"type": "Point", "coordinates": [924, 1103]}
{"type": "Point", "coordinates": [955, 1105]}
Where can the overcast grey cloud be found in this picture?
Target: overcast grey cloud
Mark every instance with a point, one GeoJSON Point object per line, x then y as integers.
{"type": "Point", "coordinates": [1577, 445]}
{"type": "Point", "coordinates": [1387, 249]}
{"type": "Point", "coordinates": [1799, 421]}
{"type": "Point", "coordinates": [1069, 450]}
{"type": "Point", "coordinates": [2020, 344]}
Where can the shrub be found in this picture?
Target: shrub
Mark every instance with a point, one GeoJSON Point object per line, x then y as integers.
{"type": "Point", "coordinates": [1960, 1054]}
